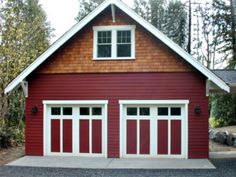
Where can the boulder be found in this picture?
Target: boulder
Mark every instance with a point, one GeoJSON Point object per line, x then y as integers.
{"type": "Point", "coordinates": [230, 139]}
{"type": "Point", "coordinates": [221, 137]}
{"type": "Point", "coordinates": [211, 134]}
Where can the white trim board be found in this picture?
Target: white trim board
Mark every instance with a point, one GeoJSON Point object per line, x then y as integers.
{"type": "Point", "coordinates": [211, 76]}
{"type": "Point", "coordinates": [75, 102]}
{"type": "Point", "coordinates": [137, 102]}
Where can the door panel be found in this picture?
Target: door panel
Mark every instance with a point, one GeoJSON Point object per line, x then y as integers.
{"type": "Point", "coordinates": [55, 135]}
{"type": "Point", "coordinates": [96, 136]}
{"type": "Point", "coordinates": [67, 135]}
{"type": "Point", "coordinates": [162, 135]}
{"type": "Point", "coordinates": [175, 136]}
{"type": "Point", "coordinates": [84, 136]}
{"type": "Point", "coordinates": [144, 137]}
{"type": "Point", "coordinates": [131, 142]}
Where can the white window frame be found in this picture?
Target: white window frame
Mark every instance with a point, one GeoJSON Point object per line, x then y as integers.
{"type": "Point", "coordinates": [114, 30]}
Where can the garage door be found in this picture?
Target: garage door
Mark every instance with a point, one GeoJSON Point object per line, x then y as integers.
{"type": "Point", "coordinates": [77, 130]}
{"type": "Point", "coordinates": [153, 130]}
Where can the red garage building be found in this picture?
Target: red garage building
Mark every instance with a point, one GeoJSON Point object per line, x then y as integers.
{"type": "Point", "coordinates": [115, 86]}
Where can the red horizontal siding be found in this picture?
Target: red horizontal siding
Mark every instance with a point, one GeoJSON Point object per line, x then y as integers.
{"type": "Point", "coordinates": [115, 87]}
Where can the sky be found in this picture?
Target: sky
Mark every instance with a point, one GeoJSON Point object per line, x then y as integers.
{"type": "Point", "coordinates": [61, 14]}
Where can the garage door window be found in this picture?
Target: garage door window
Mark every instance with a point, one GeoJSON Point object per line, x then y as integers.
{"type": "Point", "coordinates": [132, 111]}
{"type": "Point", "coordinates": [162, 111]}
{"type": "Point", "coordinates": [175, 111]}
{"type": "Point", "coordinates": [67, 111]}
{"type": "Point", "coordinates": [96, 111]}
{"type": "Point", "coordinates": [84, 111]}
{"type": "Point", "coordinates": [144, 111]}
{"type": "Point", "coordinates": [55, 111]}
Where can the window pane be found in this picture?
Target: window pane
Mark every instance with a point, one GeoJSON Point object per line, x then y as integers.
{"type": "Point", "coordinates": [104, 51]}
{"type": "Point", "coordinates": [84, 111]}
{"type": "Point", "coordinates": [96, 111]}
{"type": "Point", "coordinates": [144, 111]}
{"type": "Point", "coordinates": [163, 111]}
{"type": "Point", "coordinates": [175, 111]}
{"type": "Point", "coordinates": [131, 111]}
{"type": "Point", "coordinates": [67, 111]}
{"type": "Point", "coordinates": [123, 36]}
{"type": "Point", "coordinates": [123, 50]}
{"type": "Point", "coordinates": [56, 111]}
{"type": "Point", "coordinates": [104, 37]}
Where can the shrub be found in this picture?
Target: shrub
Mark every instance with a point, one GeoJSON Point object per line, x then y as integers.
{"type": "Point", "coordinates": [215, 123]}
{"type": "Point", "coordinates": [11, 133]}
{"type": "Point", "coordinates": [223, 109]}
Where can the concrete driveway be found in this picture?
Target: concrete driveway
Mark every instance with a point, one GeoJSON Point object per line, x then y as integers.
{"type": "Point", "coordinates": [224, 168]}
{"type": "Point", "coordinates": [109, 163]}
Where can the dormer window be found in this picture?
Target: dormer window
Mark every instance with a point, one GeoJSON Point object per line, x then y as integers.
{"type": "Point", "coordinates": [114, 42]}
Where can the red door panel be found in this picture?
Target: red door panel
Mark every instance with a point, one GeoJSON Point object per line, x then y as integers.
{"type": "Point", "coordinates": [67, 135]}
{"type": "Point", "coordinates": [55, 135]}
{"type": "Point", "coordinates": [84, 136]}
{"type": "Point", "coordinates": [144, 137]}
{"type": "Point", "coordinates": [162, 134]}
{"type": "Point", "coordinates": [176, 137]}
{"type": "Point", "coordinates": [96, 136]}
{"type": "Point", "coordinates": [131, 141]}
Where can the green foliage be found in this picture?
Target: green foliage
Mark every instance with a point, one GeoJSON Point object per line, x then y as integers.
{"type": "Point", "coordinates": [86, 6]}
{"type": "Point", "coordinates": [223, 109]}
{"type": "Point", "coordinates": [215, 123]}
{"type": "Point", "coordinates": [162, 14]}
{"type": "Point", "coordinates": [24, 35]}
{"type": "Point", "coordinates": [11, 132]}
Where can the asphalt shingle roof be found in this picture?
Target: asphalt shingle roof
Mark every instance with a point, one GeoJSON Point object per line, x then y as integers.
{"type": "Point", "coordinates": [228, 76]}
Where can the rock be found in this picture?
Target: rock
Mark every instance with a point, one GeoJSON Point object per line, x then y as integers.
{"type": "Point", "coordinates": [211, 134]}
{"type": "Point", "coordinates": [230, 139]}
{"type": "Point", "coordinates": [234, 142]}
{"type": "Point", "coordinates": [221, 137]}
{"type": "Point", "coordinates": [234, 135]}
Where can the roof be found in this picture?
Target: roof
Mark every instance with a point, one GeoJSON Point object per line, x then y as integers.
{"type": "Point", "coordinates": [228, 76]}
{"type": "Point", "coordinates": [211, 76]}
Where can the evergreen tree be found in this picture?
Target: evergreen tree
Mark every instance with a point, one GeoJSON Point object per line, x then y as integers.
{"type": "Point", "coordinates": [158, 12]}
{"type": "Point", "coordinates": [24, 35]}
{"type": "Point", "coordinates": [170, 17]}
{"type": "Point", "coordinates": [86, 6]}
{"type": "Point", "coordinates": [175, 23]}
{"type": "Point", "coordinates": [142, 8]}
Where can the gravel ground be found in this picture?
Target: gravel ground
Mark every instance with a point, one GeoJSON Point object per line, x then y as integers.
{"type": "Point", "coordinates": [225, 168]}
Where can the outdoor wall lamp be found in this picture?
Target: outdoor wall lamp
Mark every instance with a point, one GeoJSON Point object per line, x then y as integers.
{"type": "Point", "coordinates": [197, 110]}
{"type": "Point", "coordinates": [34, 109]}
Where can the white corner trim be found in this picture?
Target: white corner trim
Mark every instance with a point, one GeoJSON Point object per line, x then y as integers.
{"type": "Point", "coordinates": [140, 102]}
{"type": "Point", "coordinates": [75, 102]}
{"type": "Point", "coordinates": [211, 76]}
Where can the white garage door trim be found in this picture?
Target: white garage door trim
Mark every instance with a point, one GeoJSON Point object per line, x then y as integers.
{"type": "Point", "coordinates": [182, 103]}
{"type": "Point", "coordinates": [74, 103]}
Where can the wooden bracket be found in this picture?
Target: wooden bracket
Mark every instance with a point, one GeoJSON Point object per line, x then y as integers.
{"type": "Point", "coordinates": [24, 85]}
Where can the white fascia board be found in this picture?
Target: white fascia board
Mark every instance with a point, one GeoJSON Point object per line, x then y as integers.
{"type": "Point", "coordinates": [141, 102]}
{"type": "Point", "coordinates": [211, 76]}
{"type": "Point", "coordinates": [56, 45]}
{"type": "Point", "coordinates": [74, 102]}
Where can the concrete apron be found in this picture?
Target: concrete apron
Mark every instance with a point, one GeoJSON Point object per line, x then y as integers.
{"type": "Point", "coordinates": [108, 163]}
